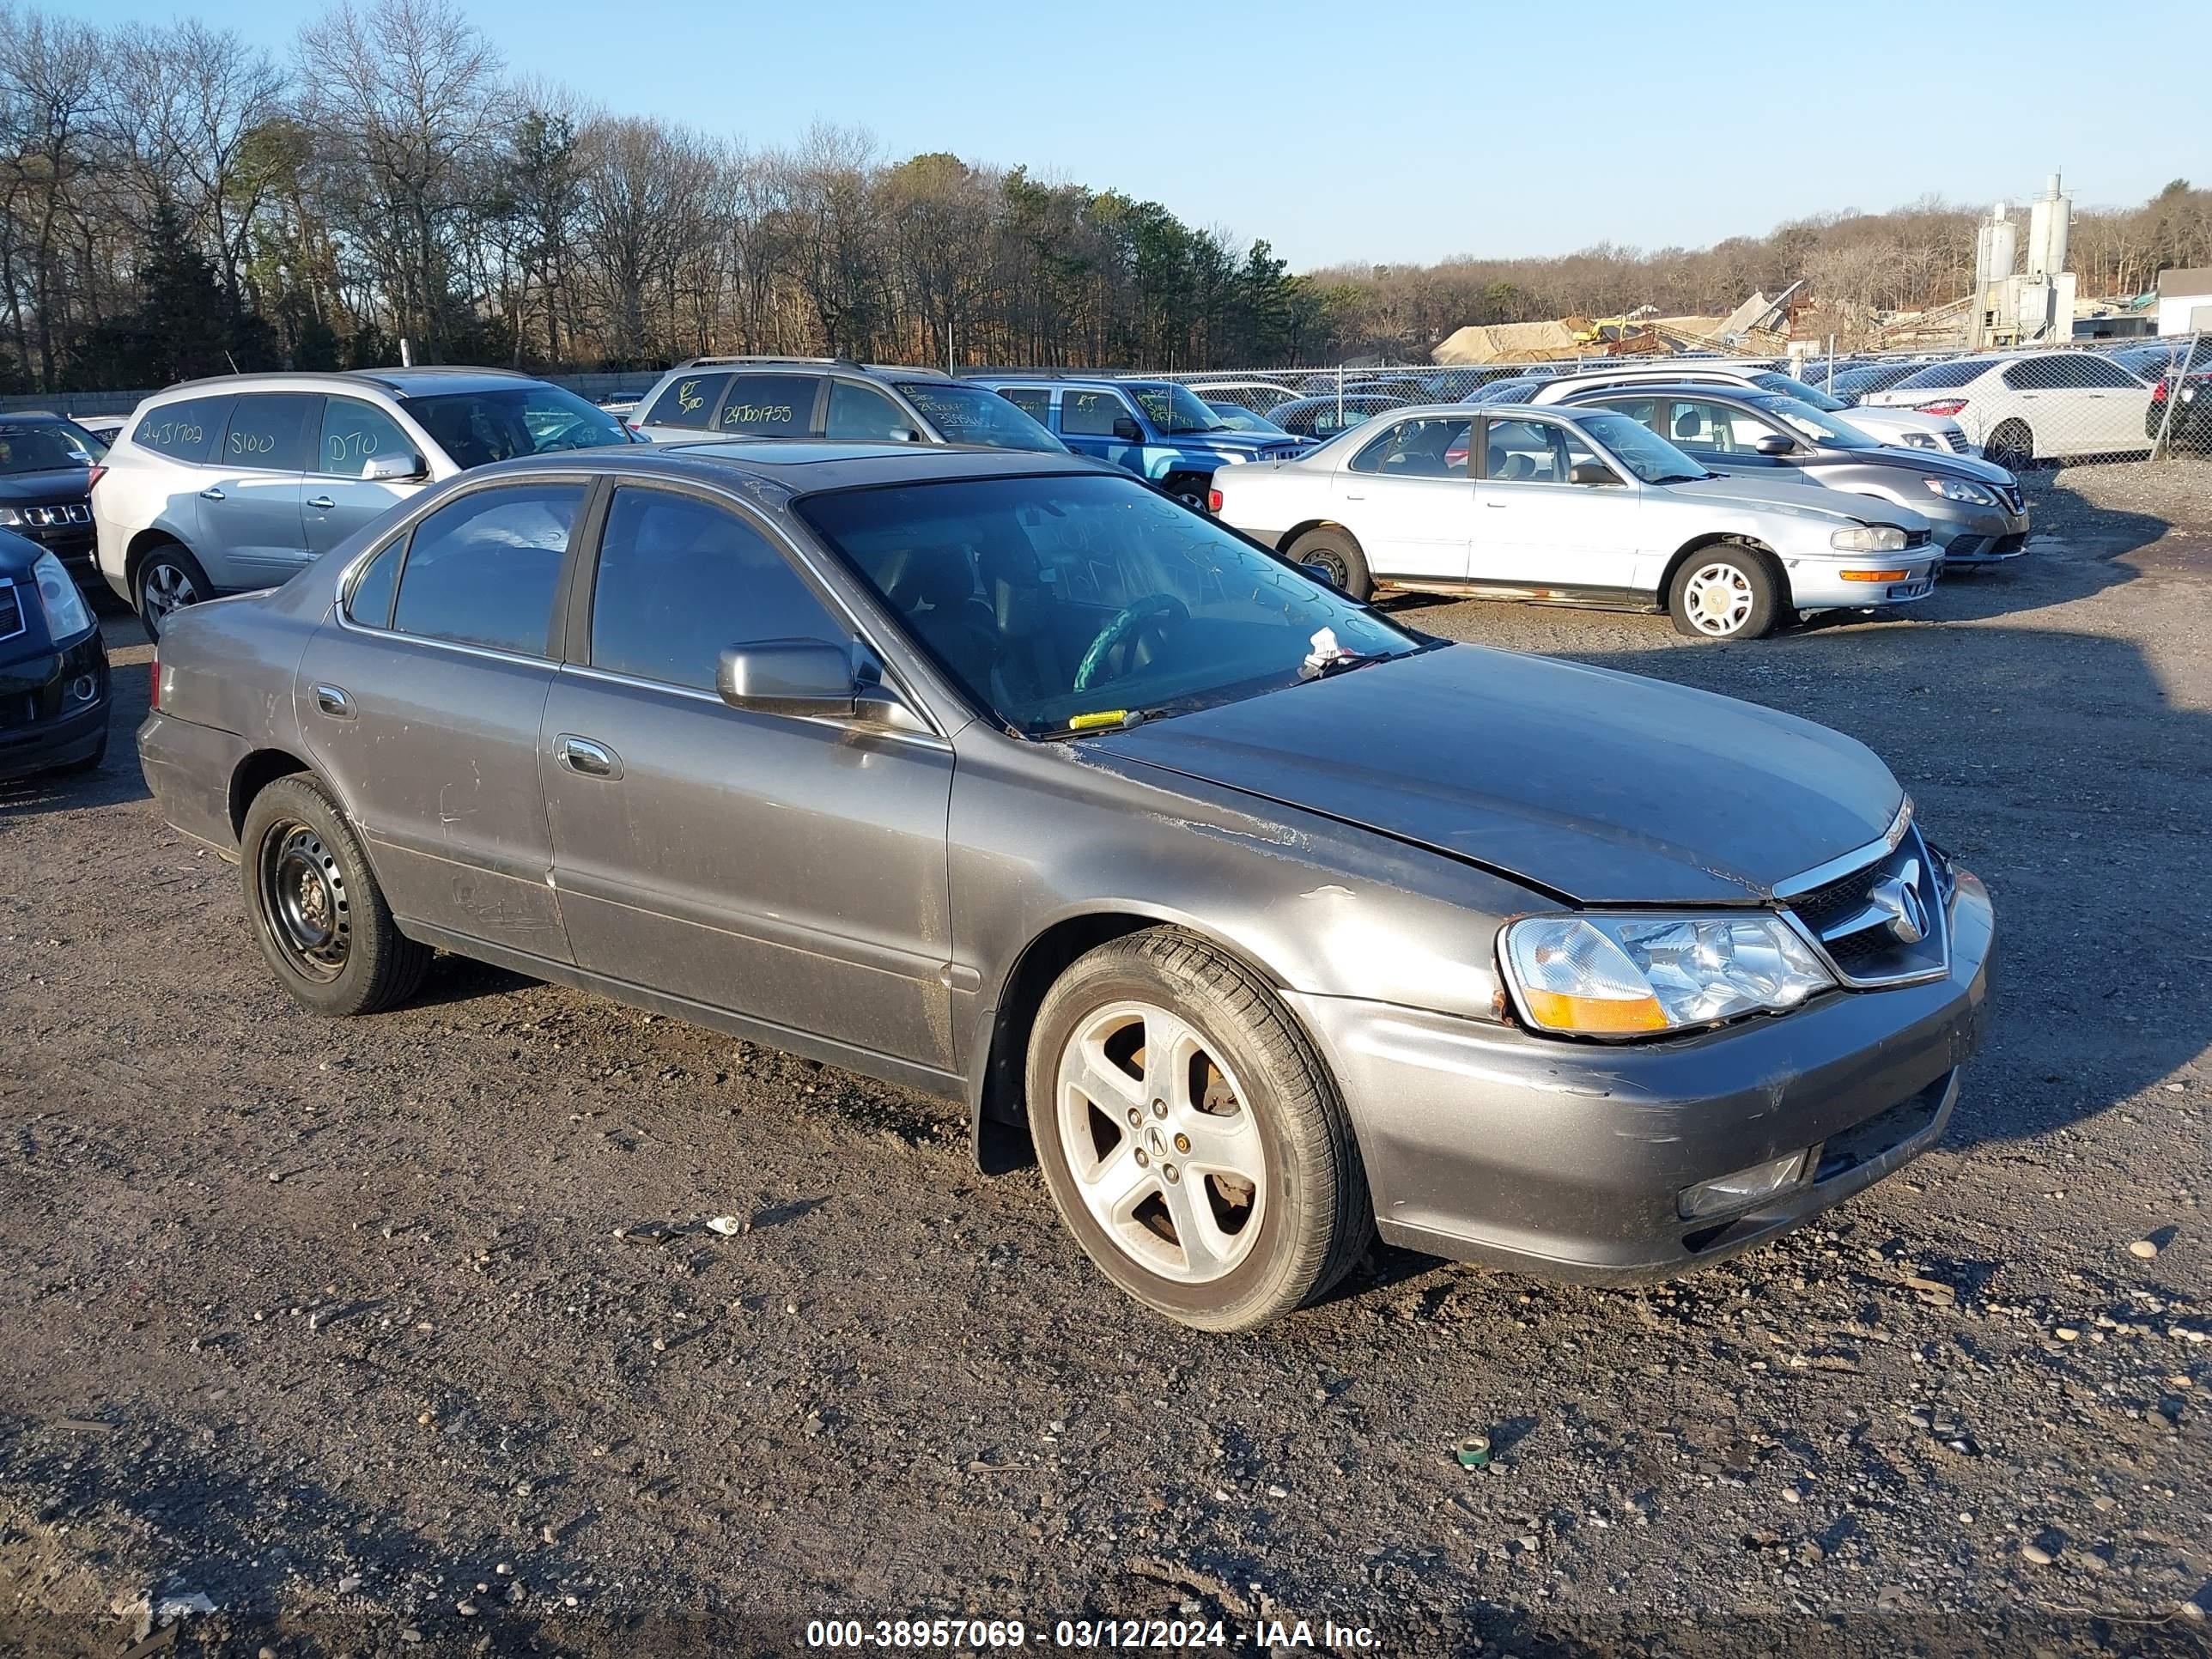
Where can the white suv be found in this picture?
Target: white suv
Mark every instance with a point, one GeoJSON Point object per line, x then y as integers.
{"type": "Point", "coordinates": [223, 485]}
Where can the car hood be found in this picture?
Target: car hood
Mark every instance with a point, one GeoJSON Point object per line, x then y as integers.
{"type": "Point", "coordinates": [1599, 787]}
{"type": "Point", "coordinates": [1793, 494]}
{"type": "Point", "coordinates": [1937, 463]}
{"type": "Point", "coordinates": [60, 483]}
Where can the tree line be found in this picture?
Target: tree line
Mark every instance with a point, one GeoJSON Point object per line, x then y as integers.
{"type": "Point", "coordinates": [181, 201]}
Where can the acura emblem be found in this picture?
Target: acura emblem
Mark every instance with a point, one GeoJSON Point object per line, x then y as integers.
{"type": "Point", "coordinates": [1899, 897]}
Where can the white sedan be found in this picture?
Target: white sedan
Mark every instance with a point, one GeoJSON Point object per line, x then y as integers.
{"type": "Point", "coordinates": [1908, 428]}
{"type": "Point", "coordinates": [2030, 406]}
{"type": "Point", "coordinates": [1574, 506]}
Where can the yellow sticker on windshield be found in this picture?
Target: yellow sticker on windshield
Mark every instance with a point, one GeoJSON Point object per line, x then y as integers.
{"type": "Point", "coordinates": [1103, 717]}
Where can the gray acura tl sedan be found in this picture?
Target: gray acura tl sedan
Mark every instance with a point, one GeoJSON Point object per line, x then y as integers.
{"type": "Point", "coordinates": [1271, 922]}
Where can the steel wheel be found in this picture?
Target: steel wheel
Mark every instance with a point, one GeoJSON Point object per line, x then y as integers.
{"type": "Point", "coordinates": [1328, 564]}
{"type": "Point", "coordinates": [303, 897]}
{"type": "Point", "coordinates": [1718, 599]}
{"type": "Point", "coordinates": [1166, 1157]}
{"type": "Point", "coordinates": [165, 588]}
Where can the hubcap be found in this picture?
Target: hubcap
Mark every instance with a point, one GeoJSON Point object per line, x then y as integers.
{"type": "Point", "coordinates": [303, 895]}
{"type": "Point", "coordinates": [1718, 599]}
{"type": "Point", "coordinates": [1164, 1150]}
{"type": "Point", "coordinates": [167, 588]}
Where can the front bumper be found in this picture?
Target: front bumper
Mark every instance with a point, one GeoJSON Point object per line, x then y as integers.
{"type": "Point", "coordinates": [1980, 535]}
{"type": "Point", "coordinates": [43, 722]}
{"type": "Point", "coordinates": [189, 768]}
{"type": "Point", "coordinates": [1823, 584]}
{"type": "Point", "coordinates": [1568, 1160]}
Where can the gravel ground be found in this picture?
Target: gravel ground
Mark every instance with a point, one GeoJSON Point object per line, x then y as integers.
{"type": "Point", "coordinates": [406, 1334]}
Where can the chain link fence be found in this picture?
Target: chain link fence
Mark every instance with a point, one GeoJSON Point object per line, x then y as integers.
{"type": "Point", "coordinates": [2127, 402]}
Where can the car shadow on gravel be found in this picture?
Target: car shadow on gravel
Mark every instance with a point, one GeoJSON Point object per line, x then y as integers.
{"type": "Point", "coordinates": [2054, 765]}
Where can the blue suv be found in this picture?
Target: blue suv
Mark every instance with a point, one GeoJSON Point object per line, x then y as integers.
{"type": "Point", "coordinates": [1158, 429]}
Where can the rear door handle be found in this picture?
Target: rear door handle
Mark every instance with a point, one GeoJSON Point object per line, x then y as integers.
{"type": "Point", "coordinates": [321, 503]}
{"type": "Point", "coordinates": [333, 701]}
{"type": "Point", "coordinates": [1354, 496]}
{"type": "Point", "coordinates": [592, 760]}
{"type": "Point", "coordinates": [211, 493]}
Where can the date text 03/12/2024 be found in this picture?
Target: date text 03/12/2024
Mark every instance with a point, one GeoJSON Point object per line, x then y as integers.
{"type": "Point", "coordinates": [1148, 1635]}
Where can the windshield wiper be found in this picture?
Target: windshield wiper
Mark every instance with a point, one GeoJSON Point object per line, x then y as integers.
{"type": "Point", "coordinates": [1089, 726]}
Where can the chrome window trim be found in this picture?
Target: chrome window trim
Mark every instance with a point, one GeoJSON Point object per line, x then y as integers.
{"type": "Point", "coordinates": [930, 740]}
{"type": "Point", "coordinates": [1836, 868]}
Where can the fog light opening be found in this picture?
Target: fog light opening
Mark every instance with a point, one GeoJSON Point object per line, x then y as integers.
{"type": "Point", "coordinates": [1743, 1188]}
{"type": "Point", "coordinates": [83, 689]}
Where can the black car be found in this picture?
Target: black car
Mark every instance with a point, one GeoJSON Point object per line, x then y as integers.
{"type": "Point", "coordinates": [1862, 380]}
{"type": "Point", "coordinates": [46, 486]}
{"type": "Point", "coordinates": [2155, 360]}
{"type": "Point", "coordinates": [54, 668]}
{"type": "Point", "coordinates": [2189, 424]}
{"type": "Point", "coordinates": [1324, 417]}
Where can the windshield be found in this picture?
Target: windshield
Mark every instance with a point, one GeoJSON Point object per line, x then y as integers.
{"type": "Point", "coordinates": [44, 448]}
{"type": "Point", "coordinates": [1237, 418]}
{"type": "Point", "coordinates": [1640, 449]}
{"type": "Point", "coordinates": [977, 415]}
{"type": "Point", "coordinates": [1789, 386]}
{"type": "Point", "coordinates": [1175, 407]}
{"type": "Point", "coordinates": [476, 428]}
{"type": "Point", "coordinates": [1820, 426]}
{"type": "Point", "coordinates": [1048, 599]}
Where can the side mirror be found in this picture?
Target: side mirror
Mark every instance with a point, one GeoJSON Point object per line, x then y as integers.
{"type": "Point", "coordinates": [1127, 430]}
{"type": "Point", "coordinates": [1772, 444]}
{"type": "Point", "coordinates": [394, 468]}
{"type": "Point", "coordinates": [908, 435]}
{"type": "Point", "coordinates": [788, 676]}
{"type": "Point", "coordinates": [1591, 473]}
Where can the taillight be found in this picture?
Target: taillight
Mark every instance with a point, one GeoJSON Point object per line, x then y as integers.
{"type": "Point", "coordinates": [99, 471]}
{"type": "Point", "coordinates": [1943, 406]}
{"type": "Point", "coordinates": [154, 691]}
{"type": "Point", "coordinates": [2157, 392]}
{"type": "Point", "coordinates": [1213, 501]}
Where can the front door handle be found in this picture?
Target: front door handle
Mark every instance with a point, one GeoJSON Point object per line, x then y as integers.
{"type": "Point", "coordinates": [212, 493]}
{"type": "Point", "coordinates": [592, 760]}
{"type": "Point", "coordinates": [1354, 496]}
{"type": "Point", "coordinates": [1494, 503]}
{"type": "Point", "coordinates": [321, 503]}
{"type": "Point", "coordinates": [334, 701]}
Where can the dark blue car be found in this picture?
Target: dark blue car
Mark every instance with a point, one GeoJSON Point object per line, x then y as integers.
{"type": "Point", "coordinates": [54, 668]}
{"type": "Point", "coordinates": [1158, 429]}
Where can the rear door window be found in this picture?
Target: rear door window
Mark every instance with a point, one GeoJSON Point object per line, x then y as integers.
{"type": "Point", "coordinates": [1432, 448]}
{"type": "Point", "coordinates": [268, 432]}
{"type": "Point", "coordinates": [1032, 401]}
{"type": "Point", "coordinates": [188, 430]}
{"type": "Point", "coordinates": [769, 405]}
{"type": "Point", "coordinates": [485, 570]}
{"type": "Point", "coordinates": [688, 401]}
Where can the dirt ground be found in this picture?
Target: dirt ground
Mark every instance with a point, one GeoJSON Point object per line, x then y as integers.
{"type": "Point", "coordinates": [404, 1336]}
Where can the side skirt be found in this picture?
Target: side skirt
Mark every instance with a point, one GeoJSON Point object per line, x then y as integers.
{"type": "Point", "coordinates": [948, 1085]}
{"type": "Point", "coordinates": [1586, 599]}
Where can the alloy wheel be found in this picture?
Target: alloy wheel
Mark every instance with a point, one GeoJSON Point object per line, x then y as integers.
{"type": "Point", "coordinates": [166, 588]}
{"type": "Point", "coordinates": [1166, 1154]}
{"type": "Point", "coordinates": [1718, 597]}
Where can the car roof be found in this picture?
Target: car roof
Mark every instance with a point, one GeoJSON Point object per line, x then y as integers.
{"type": "Point", "coordinates": [805, 466]}
{"type": "Point", "coordinates": [417, 382]}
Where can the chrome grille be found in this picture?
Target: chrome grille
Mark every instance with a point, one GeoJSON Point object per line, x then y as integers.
{"type": "Point", "coordinates": [12, 621]}
{"type": "Point", "coordinates": [1959, 442]}
{"type": "Point", "coordinates": [60, 512]}
{"type": "Point", "coordinates": [1863, 922]}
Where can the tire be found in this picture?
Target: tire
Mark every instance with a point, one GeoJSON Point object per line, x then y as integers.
{"type": "Point", "coordinates": [168, 579]}
{"type": "Point", "coordinates": [1726, 592]}
{"type": "Point", "coordinates": [1190, 488]}
{"type": "Point", "coordinates": [1333, 556]}
{"type": "Point", "coordinates": [2011, 446]}
{"type": "Point", "coordinates": [297, 847]}
{"type": "Point", "coordinates": [91, 762]}
{"type": "Point", "coordinates": [1218, 1250]}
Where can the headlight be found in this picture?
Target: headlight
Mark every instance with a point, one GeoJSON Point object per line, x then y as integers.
{"type": "Point", "coordinates": [1959, 490]}
{"type": "Point", "coordinates": [1919, 439]}
{"type": "Point", "coordinates": [11, 517]}
{"type": "Point", "coordinates": [1869, 538]}
{"type": "Point", "coordinates": [1626, 974]}
{"type": "Point", "coordinates": [65, 608]}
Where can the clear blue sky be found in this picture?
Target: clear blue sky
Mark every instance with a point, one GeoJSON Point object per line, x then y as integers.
{"type": "Point", "coordinates": [1404, 129]}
